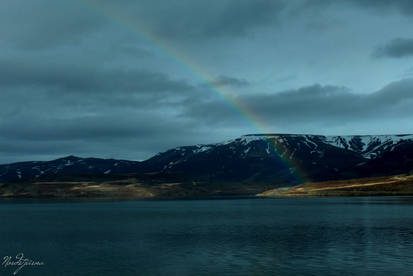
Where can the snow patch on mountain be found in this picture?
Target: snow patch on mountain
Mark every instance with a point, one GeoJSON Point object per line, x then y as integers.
{"type": "Point", "coordinates": [202, 148]}
{"type": "Point", "coordinates": [370, 145]}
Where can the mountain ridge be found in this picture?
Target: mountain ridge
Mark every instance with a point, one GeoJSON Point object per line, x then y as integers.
{"type": "Point", "coordinates": [250, 158]}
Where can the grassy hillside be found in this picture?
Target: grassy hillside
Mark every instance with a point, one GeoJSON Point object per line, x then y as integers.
{"type": "Point", "coordinates": [126, 187]}
{"type": "Point", "coordinates": [129, 187]}
{"type": "Point", "coordinates": [388, 185]}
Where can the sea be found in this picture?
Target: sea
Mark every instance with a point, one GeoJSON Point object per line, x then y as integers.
{"type": "Point", "coordinates": [280, 236]}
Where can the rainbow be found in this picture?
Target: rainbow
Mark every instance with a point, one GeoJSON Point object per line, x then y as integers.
{"type": "Point", "coordinates": [182, 59]}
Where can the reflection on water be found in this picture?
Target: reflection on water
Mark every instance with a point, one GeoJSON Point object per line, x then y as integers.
{"type": "Point", "coordinates": [319, 236]}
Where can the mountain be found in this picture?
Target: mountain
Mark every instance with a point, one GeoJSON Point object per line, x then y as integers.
{"type": "Point", "coordinates": [290, 158]}
{"type": "Point", "coordinates": [70, 165]}
{"type": "Point", "coordinates": [264, 159]}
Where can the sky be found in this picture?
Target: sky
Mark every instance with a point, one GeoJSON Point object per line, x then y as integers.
{"type": "Point", "coordinates": [128, 79]}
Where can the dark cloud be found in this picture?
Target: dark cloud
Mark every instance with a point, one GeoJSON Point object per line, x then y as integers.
{"type": "Point", "coordinates": [100, 127]}
{"type": "Point", "coordinates": [87, 109]}
{"type": "Point", "coordinates": [404, 7]}
{"type": "Point", "coordinates": [193, 19]}
{"type": "Point", "coordinates": [70, 78]}
{"type": "Point", "coordinates": [46, 23]}
{"type": "Point", "coordinates": [392, 94]}
{"type": "Point", "coordinates": [239, 17]}
{"type": "Point", "coordinates": [397, 48]}
{"type": "Point", "coordinates": [111, 133]}
{"type": "Point", "coordinates": [316, 105]}
{"type": "Point", "coordinates": [229, 81]}
{"type": "Point", "coordinates": [49, 109]}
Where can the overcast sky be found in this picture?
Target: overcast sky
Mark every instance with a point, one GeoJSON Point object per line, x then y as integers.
{"type": "Point", "coordinates": [127, 79]}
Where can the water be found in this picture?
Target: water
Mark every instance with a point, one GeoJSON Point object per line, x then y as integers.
{"type": "Point", "coordinates": [325, 236]}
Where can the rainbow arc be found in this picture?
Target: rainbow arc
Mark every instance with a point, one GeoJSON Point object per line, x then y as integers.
{"type": "Point", "coordinates": [200, 74]}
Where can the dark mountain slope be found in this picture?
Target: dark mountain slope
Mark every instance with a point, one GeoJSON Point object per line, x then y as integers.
{"type": "Point", "coordinates": [270, 159]}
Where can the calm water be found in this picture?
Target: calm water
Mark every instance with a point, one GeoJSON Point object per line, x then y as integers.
{"type": "Point", "coordinates": [330, 236]}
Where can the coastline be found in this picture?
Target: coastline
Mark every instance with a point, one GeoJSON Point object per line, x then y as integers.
{"type": "Point", "coordinates": [70, 191]}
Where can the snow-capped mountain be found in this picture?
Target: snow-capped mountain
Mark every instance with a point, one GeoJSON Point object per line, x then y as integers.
{"type": "Point", "coordinates": [267, 158]}
{"type": "Point", "coordinates": [368, 145]}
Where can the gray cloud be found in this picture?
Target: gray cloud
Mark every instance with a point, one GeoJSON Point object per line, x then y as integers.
{"type": "Point", "coordinates": [397, 48]}
{"type": "Point", "coordinates": [405, 7]}
{"type": "Point", "coordinates": [46, 23]}
{"type": "Point", "coordinates": [229, 81]}
{"type": "Point", "coordinates": [316, 105]}
{"type": "Point", "coordinates": [80, 78]}
{"type": "Point", "coordinates": [110, 133]}
{"type": "Point", "coordinates": [88, 110]}
{"type": "Point", "coordinates": [194, 19]}
{"type": "Point", "coordinates": [238, 17]}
